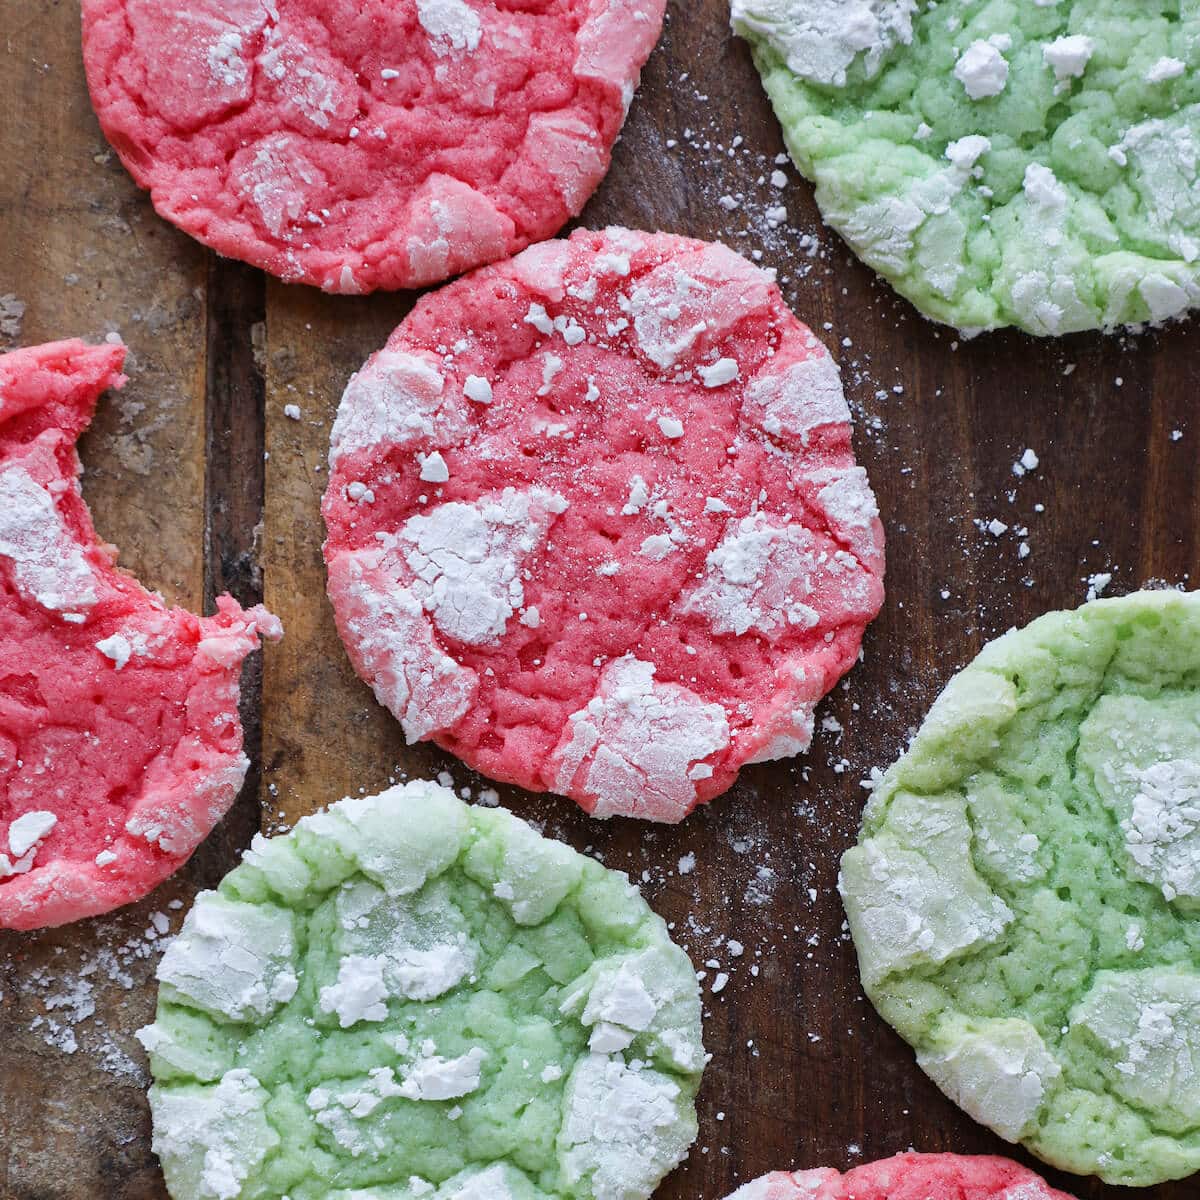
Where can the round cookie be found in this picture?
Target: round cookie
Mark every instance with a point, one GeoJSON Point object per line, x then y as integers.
{"type": "Point", "coordinates": [120, 741]}
{"type": "Point", "coordinates": [595, 524]}
{"type": "Point", "coordinates": [363, 144]}
{"type": "Point", "coordinates": [1000, 163]}
{"type": "Point", "coordinates": [408, 997]}
{"type": "Point", "coordinates": [1025, 894]}
{"type": "Point", "coordinates": [907, 1177]}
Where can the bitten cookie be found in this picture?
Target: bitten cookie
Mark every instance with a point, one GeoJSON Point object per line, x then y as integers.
{"type": "Point", "coordinates": [1029, 164]}
{"type": "Point", "coordinates": [363, 144]}
{"type": "Point", "coordinates": [1025, 893]}
{"type": "Point", "coordinates": [407, 997]}
{"type": "Point", "coordinates": [595, 524]}
{"type": "Point", "coordinates": [120, 742]}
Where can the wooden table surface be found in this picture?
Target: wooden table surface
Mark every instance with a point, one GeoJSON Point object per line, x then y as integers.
{"type": "Point", "coordinates": [197, 474]}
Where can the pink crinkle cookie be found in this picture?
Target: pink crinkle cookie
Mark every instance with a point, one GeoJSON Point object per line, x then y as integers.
{"type": "Point", "coordinates": [595, 524]}
{"type": "Point", "coordinates": [120, 743]}
{"type": "Point", "coordinates": [363, 144]}
{"type": "Point", "coordinates": [908, 1177]}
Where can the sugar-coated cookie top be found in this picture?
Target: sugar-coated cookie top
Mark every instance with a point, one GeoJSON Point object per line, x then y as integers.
{"type": "Point", "coordinates": [406, 997]}
{"type": "Point", "coordinates": [362, 144]}
{"type": "Point", "coordinates": [120, 743]}
{"type": "Point", "coordinates": [595, 523]}
{"type": "Point", "coordinates": [1025, 895]}
{"type": "Point", "coordinates": [907, 1177]}
{"type": "Point", "coordinates": [1004, 162]}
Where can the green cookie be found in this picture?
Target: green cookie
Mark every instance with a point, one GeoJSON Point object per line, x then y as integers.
{"type": "Point", "coordinates": [1004, 162]}
{"type": "Point", "coordinates": [406, 997]}
{"type": "Point", "coordinates": [1025, 894]}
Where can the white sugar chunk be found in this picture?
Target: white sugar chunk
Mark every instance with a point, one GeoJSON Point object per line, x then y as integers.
{"type": "Point", "coordinates": [452, 25]}
{"type": "Point", "coordinates": [467, 559]}
{"type": "Point", "coordinates": [48, 565]}
{"type": "Point", "coordinates": [433, 467]}
{"type": "Point", "coordinates": [477, 389]}
{"type": "Point", "coordinates": [411, 947]}
{"type": "Point", "coordinates": [1148, 1023]}
{"type": "Point", "coordinates": [622, 1129]}
{"type": "Point", "coordinates": [639, 496]}
{"type": "Point", "coordinates": [28, 830]}
{"type": "Point", "coordinates": [231, 959]}
{"type": "Point", "coordinates": [819, 39]}
{"type": "Point", "coordinates": [636, 741]}
{"type": "Point", "coordinates": [211, 1140]}
{"type": "Point", "coordinates": [723, 371]}
{"type": "Point", "coordinates": [492, 1183]}
{"type": "Point", "coordinates": [767, 575]}
{"type": "Point", "coordinates": [648, 995]}
{"type": "Point", "coordinates": [618, 1003]}
{"type": "Point", "coordinates": [400, 838]}
{"type": "Point", "coordinates": [359, 994]}
{"type": "Point", "coordinates": [410, 673]}
{"type": "Point", "coordinates": [117, 647]}
{"type": "Point", "coordinates": [436, 1078]}
{"type": "Point", "coordinates": [911, 892]}
{"type": "Point", "coordinates": [997, 1073]}
{"type": "Point", "coordinates": [982, 69]}
{"type": "Point", "coordinates": [539, 318]}
{"type": "Point", "coordinates": [668, 314]}
{"type": "Point", "coordinates": [395, 400]}
{"type": "Point", "coordinates": [1165, 68]}
{"type": "Point", "coordinates": [1069, 56]}
{"type": "Point", "coordinates": [1144, 759]}
{"type": "Point", "coordinates": [805, 397]}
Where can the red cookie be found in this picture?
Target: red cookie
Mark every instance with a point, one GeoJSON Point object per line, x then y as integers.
{"type": "Point", "coordinates": [363, 144]}
{"type": "Point", "coordinates": [908, 1177]}
{"type": "Point", "coordinates": [120, 743]}
{"type": "Point", "coordinates": [595, 524]}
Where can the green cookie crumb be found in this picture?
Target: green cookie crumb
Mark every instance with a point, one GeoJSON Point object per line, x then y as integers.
{"type": "Point", "coordinates": [407, 998]}
{"type": "Point", "coordinates": [1010, 162]}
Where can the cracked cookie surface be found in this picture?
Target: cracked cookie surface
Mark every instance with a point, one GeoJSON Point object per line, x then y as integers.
{"type": "Point", "coordinates": [1025, 893]}
{"type": "Point", "coordinates": [120, 741]}
{"type": "Point", "coordinates": [1000, 163]}
{"type": "Point", "coordinates": [408, 997]}
{"type": "Point", "coordinates": [907, 1177]}
{"type": "Point", "coordinates": [595, 523]}
{"type": "Point", "coordinates": [366, 144]}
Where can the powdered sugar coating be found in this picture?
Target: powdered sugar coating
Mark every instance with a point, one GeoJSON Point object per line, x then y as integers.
{"type": "Point", "coordinates": [419, 998]}
{"type": "Point", "coordinates": [366, 144]}
{"type": "Point", "coordinates": [907, 1177]}
{"type": "Point", "coordinates": [638, 567]}
{"type": "Point", "coordinates": [120, 743]}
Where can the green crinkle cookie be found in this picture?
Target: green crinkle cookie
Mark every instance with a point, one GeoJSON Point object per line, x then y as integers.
{"type": "Point", "coordinates": [1025, 893]}
{"type": "Point", "coordinates": [1004, 162]}
{"type": "Point", "coordinates": [406, 998]}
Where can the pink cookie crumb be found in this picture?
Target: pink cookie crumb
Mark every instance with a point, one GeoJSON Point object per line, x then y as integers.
{"type": "Point", "coordinates": [120, 741]}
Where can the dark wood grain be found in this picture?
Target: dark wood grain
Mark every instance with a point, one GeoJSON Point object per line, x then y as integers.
{"type": "Point", "coordinates": [803, 1072]}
